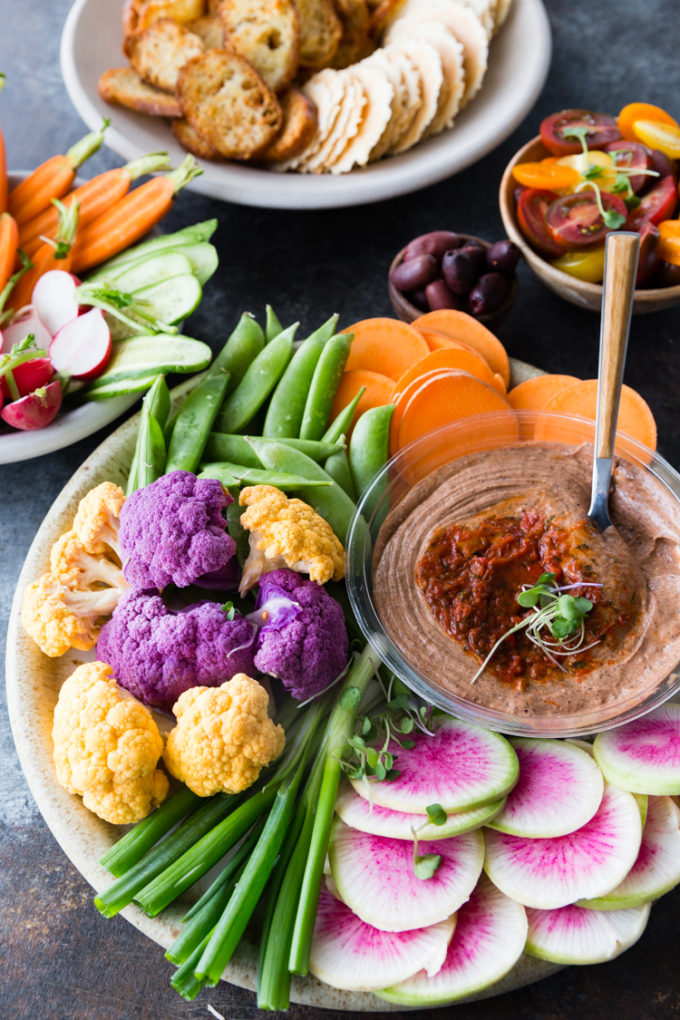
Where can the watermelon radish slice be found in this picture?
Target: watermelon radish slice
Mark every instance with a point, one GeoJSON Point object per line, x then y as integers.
{"type": "Point", "coordinates": [559, 789]}
{"type": "Point", "coordinates": [359, 813]}
{"type": "Point", "coordinates": [643, 756]}
{"type": "Point", "coordinates": [348, 953]}
{"type": "Point", "coordinates": [551, 873]}
{"type": "Point", "coordinates": [375, 877]}
{"type": "Point", "coordinates": [461, 767]}
{"type": "Point", "coordinates": [575, 935]}
{"type": "Point", "coordinates": [488, 941]}
{"type": "Point", "coordinates": [657, 868]}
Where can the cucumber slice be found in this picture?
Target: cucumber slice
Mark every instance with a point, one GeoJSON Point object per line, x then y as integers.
{"type": "Point", "coordinates": [145, 272]}
{"type": "Point", "coordinates": [361, 814]}
{"type": "Point", "coordinates": [572, 935]}
{"type": "Point", "coordinates": [171, 300]}
{"type": "Point", "coordinates": [122, 387]}
{"type": "Point", "coordinates": [375, 877]}
{"type": "Point", "coordinates": [551, 873]}
{"type": "Point", "coordinates": [197, 233]}
{"type": "Point", "coordinates": [643, 756]}
{"type": "Point", "coordinates": [559, 789]}
{"type": "Point", "coordinates": [488, 941]}
{"type": "Point", "coordinates": [158, 354]}
{"type": "Point", "coordinates": [461, 767]}
{"type": "Point", "coordinates": [347, 953]}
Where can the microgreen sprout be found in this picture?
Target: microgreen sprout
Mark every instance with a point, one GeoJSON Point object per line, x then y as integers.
{"type": "Point", "coordinates": [556, 612]}
{"type": "Point", "coordinates": [425, 865]}
{"type": "Point", "coordinates": [610, 217]}
{"type": "Point", "coordinates": [228, 608]}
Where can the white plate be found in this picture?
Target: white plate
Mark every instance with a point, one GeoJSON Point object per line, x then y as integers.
{"type": "Point", "coordinates": [518, 66]}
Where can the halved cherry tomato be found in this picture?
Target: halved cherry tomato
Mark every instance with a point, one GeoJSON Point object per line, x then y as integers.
{"type": "Point", "coordinates": [592, 165]}
{"type": "Point", "coordinates": [575, 221]}
{"type": "Point", "coordinates": [658, 204]}
{"type": "Point", "coordinates": [648, 259]}
{"type": "Point", "coordinates": [630, 155]}
{"type": "Point", "coordinates": [600, 128]}
{"type": "Point", "coordinates": [640, 111]}
{"type": "Point", "coordinates": [669, 245]}
{"type": "Point", "coordinates": [669, 228]}
{"type": "Point", "coordinates": [655, 134]}
{"type": "Point", "coordinates": [667, 275]}
{"type": "Point", "coordinates": [664, 166]}
{"type": "Point", "coordinates": [532, 206]}
{"type": "Point", "coordinates": [547, 176]}
{"type": "Point", "coordinates": [584, 265]}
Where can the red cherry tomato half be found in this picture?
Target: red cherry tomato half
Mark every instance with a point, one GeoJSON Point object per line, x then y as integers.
{"type": "Point", "coordinates": [532, 206]}
{"type": "Point", "coordinates": [658, 204]}
{"type": "Point", "coordinates": [575, 221]}
{"type": "Point", "coordinates": [648, 260]}
{"type": "Point", "coordinates": [664, 166]}
{"type": "Point", "coordinates": [600, 129]}
{"type": "Point", "coordinates": [631, 155]}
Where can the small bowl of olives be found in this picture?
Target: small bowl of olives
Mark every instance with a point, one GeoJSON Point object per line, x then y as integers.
{"type": "Point", "coordinates": [444, 269]}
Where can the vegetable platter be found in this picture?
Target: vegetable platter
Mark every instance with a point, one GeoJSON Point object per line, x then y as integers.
{"type": "Point", "coordinates": [517, 71]}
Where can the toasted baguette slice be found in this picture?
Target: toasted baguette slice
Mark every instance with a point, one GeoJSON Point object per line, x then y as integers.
{"type": "Point", "coordinates": [189, 139]}
{"type": "Point", "coordinates": [356, 41]}
{"type": "Point", "coordinates": [299, 124]}
{"type": "Point", "coordinates": [228, 104]}
{"type": "Point", "coordinates": [210, 30]}
{"type": "Point", "coordinates": [123, 86]}
{"type": "Point", "coordinates": [320, 32]}
{"type": "Point", "coordinates": [141, 14]}
{"type": "Point", "coordinates": [267, 34]}
{"type": "Point", "coordinates": [158, 53]}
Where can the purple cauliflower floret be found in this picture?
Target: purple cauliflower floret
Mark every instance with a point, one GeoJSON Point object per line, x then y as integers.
{"type": "Point", "coordinates": [174, 531]}
{"type": "Point", "coordinates": [302, 638]}
{"type": "Point", "coordinates": [156, 653]}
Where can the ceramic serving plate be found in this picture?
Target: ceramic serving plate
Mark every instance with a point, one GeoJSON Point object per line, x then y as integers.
{"type": "Point", "coordinates": [518, 66]}
{"type": "Point", "coordinates": [33, 682]}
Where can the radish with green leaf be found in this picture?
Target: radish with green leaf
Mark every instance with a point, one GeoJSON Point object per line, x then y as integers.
{"type": "Point", "coordinates": [348, 953]}
{"type": "Point", "coordinates": [551, 873]}
{"type": "Point", "coordinates": [643, 756]}
{"type": "Point", "coordinates": [460, 767]}
{"type": "Point", "coordinates": [487, 942]}
{"type": "Point", "coordinates": [573, 935]}
{"type": "Point", "coordinates": [559, 789]}
{"type": "Point", "coordinates": [379, 878]}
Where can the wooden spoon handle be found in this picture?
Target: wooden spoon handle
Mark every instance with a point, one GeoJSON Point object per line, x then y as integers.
{"type": "Point", "coordinates": [620, 266]}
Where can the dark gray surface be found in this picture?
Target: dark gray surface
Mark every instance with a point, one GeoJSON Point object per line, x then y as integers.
{"type": "Point", "coordinates": [58, 958]}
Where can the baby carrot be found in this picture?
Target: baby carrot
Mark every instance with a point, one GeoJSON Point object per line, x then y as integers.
{"type": "Point", "coordinates": [95, 197]}
{"type": "Point", "coordinates": [4, 184]}
{"type": "Point", "coordinates": [52, 179]}
{"type": "Point", "coordinates": [53, 254]}
{"type": "Point", "coordinates": [131, 218]}
{"type": "Point", "coordinates": [9, 242]}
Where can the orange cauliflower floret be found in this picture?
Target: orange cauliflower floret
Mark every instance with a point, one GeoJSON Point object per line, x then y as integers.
{"type": "Point", "coordinates": [59, 616]}
{"type": "Point", "coordinates": [223, 737]}
{"type": "Point", "coordinates": [107, 746]}
{"type": "Point", "coordinates": [287, 533]}
{"type": "Point", "coordinates": [96, 520]}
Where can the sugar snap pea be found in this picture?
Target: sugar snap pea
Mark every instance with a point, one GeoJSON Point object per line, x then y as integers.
{"type": "Point", "coordinates": [287, 403]}
{"type": "Point", "coordinates": [326, 330]}
{"type": "Point", "coordinates": [242, 347]}
{"type": "Point", "coordinates": [332, 503]}
{"type": "Point", "coordinates": [369, 445]}
{"type": "Point", "coordinates": [194, 421]}
{"type": "Point", "coordinates": [156, 403]}
{"type": "Point", "coordinates": [240, 474]}
{"type": "Point", "coordinates": [272, 326]}
{"type": "Point", "coordinates": [342, 421]}
{"type": "Point", "coordinates": [260, 378]}
{"type": "Point", "coordinates": [238, 448]}
{"type": "Point", "coordinates": [337, 466]}
{"type": "Point", "coordinates": [324, 386]}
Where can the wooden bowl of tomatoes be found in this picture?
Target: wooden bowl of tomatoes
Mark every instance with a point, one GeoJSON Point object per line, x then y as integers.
{"type": "Point", "coordinates": [589, 173]}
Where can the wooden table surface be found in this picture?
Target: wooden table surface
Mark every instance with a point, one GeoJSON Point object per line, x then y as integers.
{"type": "Point", "coordinates": [59, 960]}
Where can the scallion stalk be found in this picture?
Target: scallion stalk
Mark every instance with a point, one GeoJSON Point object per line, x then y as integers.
{"type": "Point", "coordinates": [134, 844]}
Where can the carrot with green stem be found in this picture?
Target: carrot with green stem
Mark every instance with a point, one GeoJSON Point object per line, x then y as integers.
{"type": "Point", "coordinates": [52, 254]}
{"type": "Point", "coordinates": [130, 219]}
{"type": "Point", "coordinates": [95, 197]}
{"type": "Point", "coordinates": [4, 183]}
{"type": "Point", "coordinates": [6, 315]}
{"type": "Point", "coordinates": [52, 179]}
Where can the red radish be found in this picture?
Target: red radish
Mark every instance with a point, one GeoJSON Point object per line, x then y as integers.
{"type": "Point", "coordinates": [488, 941]}
{"type": "Point", "coordinates": [375, 877]}
{"type": "Point", "coordinates": [28, 321]}
{"type": "Point", "coordinates": [574, 935]}
{"type": "Point", "coordinates": [32, 375]}
{"type": "Point", "coordinates": [83, 346]}
{"type": "Point", "coordinates": [643, 756]}
{"type": "Point", "coordinates": [36, 410]}
{"type": "Point", "coordinates": [347, 953]}
{"type": "Point", "coordinates": [55, 299]}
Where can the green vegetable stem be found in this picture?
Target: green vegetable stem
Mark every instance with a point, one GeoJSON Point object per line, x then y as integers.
{"type": "Point", "coordinates": [131, 848]}
{"type": "Point", "coordinates": [338, 467]}
{"type": "Point", "coordinates": [148, 460]}
{"type": "Point", "coordinates": [342, 421]}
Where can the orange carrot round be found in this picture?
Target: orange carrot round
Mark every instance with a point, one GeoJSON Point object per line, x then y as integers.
{"type": "Point", "coordinates": [463, 327]}
{"type": "Point", "coordinates": [378, 391]}
{"type": "Point", "coordinates": [387, 346]}
{"type": "Point", "coordinates": [635, 416]}
{"type": "Point", "coordinates": [534, 394]}
{"type": "Point", "coordinates": [456, 358]}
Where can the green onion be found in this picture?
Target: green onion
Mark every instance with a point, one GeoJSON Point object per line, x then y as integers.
{"type": "Point", "coordinates": [131, 848]}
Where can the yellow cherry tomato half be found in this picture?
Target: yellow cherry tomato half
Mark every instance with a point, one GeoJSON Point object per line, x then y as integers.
{"type": "Point", "coordinates": [595, 166]}
{"type": "Point", "coordinates": [669, 228]}
{"type": "Point", "coordinates": [584, 265]}
{"type": "Point", "coordinates": [545, 176]}
{"type": "Point", "coordinates": [657, 135]}
{"type": "Point", "coordinates": [669, 248]}
{"type": "Point", "coordinates": [641, 111]}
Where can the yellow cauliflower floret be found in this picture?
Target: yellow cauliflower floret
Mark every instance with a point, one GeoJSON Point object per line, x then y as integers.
{"type": "Point", "coordinates": [96, 520]}
{"type": "Point", "coordinates": [68, 556]}
{"type": "Point", "coordinates": [59, 616]}
{"type": "Point", "coordinates": [287, 533]}
{"type": "Point", "coordinates": [107, 746]}
{"type": "Point", "coordinates": [223, 737]}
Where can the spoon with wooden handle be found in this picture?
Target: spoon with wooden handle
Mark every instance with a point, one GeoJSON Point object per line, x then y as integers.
{"type": "Point", "coordinates": [620, 266]}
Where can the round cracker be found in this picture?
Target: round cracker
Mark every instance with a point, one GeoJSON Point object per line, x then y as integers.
{"type": "Point", "coordinates": [343, 127]}
{"type": "Point", "coordinates": [451, 54]}
{"type": "Point", "coordinates": [325, 90]}
{"type": "Point", "coordinates": [394, 76]}
{"type": "Point", "coordinates": [376, 111]}
{"type": "Point", "coordinates": [502, 11]}
{"type": "Point", "coordinates": [410, 94]}
{"type": "Point", "coordinates": [427, 63]}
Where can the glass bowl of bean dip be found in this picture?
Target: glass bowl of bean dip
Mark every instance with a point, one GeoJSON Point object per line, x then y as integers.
{"type": "Point", "coordinates": [474, 571]}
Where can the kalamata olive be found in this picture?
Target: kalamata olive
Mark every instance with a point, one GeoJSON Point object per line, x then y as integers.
{"type": "Point", "coordinates": [648, 258]}
{"type": "Point", "coordinates": [458, 271]}
{"type": "Point", "coordinates": [477, 255]}
{"type": "Point", "coordinates": [667, 275]}
{"type": "Point", "coordinates": [488, 294]}
{"type": "Point", "coordinates": [434, 243]}
{"type": "Point", "coordinates": [419, 299]}
{"type": "Point", "coordinates": [503, 257]}
{"type": "Point", "coordinates": [439, 295]}
{"type": "Point", "coordinates": [416, 273]}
